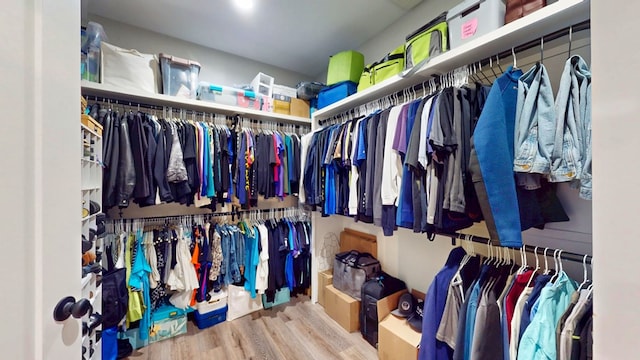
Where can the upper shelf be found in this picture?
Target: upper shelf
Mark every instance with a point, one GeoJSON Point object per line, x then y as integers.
{"type": "Point", "coordinates": [551, 18]}
{"type": "Point", "coordinates": [111, 92]}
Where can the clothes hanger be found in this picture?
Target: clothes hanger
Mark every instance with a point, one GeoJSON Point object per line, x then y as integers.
{"type": "Point", "coordinates": [557, 266]}
{"type": "Point", "coordinates": [533, 274]}
{"type": "Point", "coordinates": [513, 54]}
{"type": "Point", "coordinates": [570, 41]}
{"type": "Point", "coordinates": [585, 280]}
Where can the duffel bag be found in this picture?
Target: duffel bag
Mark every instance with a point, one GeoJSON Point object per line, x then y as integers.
{"type": "Point", "coordinates": [351, 269]}
{"type": "Point", "coordinates": [426, 42]}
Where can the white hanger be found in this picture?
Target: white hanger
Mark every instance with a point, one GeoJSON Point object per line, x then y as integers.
{"type": "Point", "coordinates": [513, 54]}
{"type": "Point", "coordinates": [533, 274]}
{"type": "Point", "coordinates": [585, 278]}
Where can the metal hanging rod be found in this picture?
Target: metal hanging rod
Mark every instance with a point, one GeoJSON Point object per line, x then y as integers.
{"type": "Point", "coordinates": [117, 102]}
{"type": "Point", "coordinates": [565, 255]}
{"type": "Point", "coordinates": [235, 212]}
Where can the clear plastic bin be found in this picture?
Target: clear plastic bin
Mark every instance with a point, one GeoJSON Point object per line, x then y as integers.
{"type": "Point", "coordinates": [230, 96]}
{"type": "Point", "coordinates": [179, 76]}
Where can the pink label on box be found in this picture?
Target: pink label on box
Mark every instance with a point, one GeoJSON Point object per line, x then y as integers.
{"type": "Point", "coordinates": [469, 28]}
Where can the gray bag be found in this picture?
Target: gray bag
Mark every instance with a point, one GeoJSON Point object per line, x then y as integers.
{"type": "Point", "coordinates": [351, 269]}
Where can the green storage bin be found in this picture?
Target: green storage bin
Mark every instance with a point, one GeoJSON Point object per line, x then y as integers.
{"type": "Point", "coordinates": [345, 66]}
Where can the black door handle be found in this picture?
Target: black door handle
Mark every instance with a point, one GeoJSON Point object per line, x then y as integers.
{"type": "Point", "coordinates": [69, 307]}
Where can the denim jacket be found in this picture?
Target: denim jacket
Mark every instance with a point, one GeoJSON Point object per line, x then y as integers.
{"type": "Point", "coordinates": [535, 123]}
{"type": "Point", "coordinates": [567, 158]}
{"type": "Point", "coordinates": [583, 75]}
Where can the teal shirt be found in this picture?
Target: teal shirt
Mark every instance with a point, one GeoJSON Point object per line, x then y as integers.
{"type": "Point", "coordinates": [539, 339]}
{"type": "Point", "coordinates": [252, 258]}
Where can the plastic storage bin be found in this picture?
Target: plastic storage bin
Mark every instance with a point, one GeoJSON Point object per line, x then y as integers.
{"type": "Point", "coordinates": [474, 18]}
{"type": "Point", "coordinates": [208, 319]}
{"type": "Point", "coordinates": [284, 90]}
{"type": "Point", "coordinates": [335, 93]}
{"type": "Point", "coordinates": [345, 66]}
{"type": "Point", "coordinates": [217, 301]}
{"type": "Point", "coordinates": [179, 76]}
{"type": "Point", "coordinates": [263, 84]}
{"type": "Point", "coordinates": [229, 96]}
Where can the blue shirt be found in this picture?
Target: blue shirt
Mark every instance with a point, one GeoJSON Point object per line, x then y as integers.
{"type": "Point", "coordinates": [435, 301]}
{"type": "Point", "coordinates": [404, 216]}
{"type": "Point", "coordinates": [472, 309]}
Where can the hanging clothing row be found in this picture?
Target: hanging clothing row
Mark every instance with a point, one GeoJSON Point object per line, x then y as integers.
{"type": "Point", "coordinates": [183, 262]}
{"type": "Point", "coordinates": [190, 162]}
{"type": "Point", "coordinates": [459, 155]}
{"type": "Point", "coordinates": [495, 310]}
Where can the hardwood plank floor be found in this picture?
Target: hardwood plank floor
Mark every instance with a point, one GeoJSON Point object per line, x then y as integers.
{"type": "Point", "coordinates": [293, 331]}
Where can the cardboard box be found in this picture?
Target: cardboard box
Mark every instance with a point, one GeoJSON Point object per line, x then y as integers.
{"type": "Point", "coordinates": [281, 107]}
{"type": "Point", "coordinates": [356, 240]}
{"type": "Point", "coordinates": [324, 278]}
{"type": "Point", "coordinates": [397, 340]}
{"type": "Point", "coordinates": [342, 308]}
{"type": "Point", "coordinates": [300, 108]}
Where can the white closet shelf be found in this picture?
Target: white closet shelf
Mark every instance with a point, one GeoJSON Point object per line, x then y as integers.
{"type": "Point", "coordinates": [551, 18]}
{"type": "Point", "coordinates": [85, 128]}
{"type": "Point", "coordinates": [111, 92]}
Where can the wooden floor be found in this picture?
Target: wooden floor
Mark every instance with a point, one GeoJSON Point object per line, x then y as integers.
{"type": "Point", "coordinates": [297, 330]}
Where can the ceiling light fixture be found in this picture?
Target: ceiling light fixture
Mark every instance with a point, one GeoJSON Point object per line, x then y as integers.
{"type": "Point", "coordinates": [244, 5]}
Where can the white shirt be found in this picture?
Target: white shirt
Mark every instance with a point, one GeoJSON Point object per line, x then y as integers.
{"type": "Point", "coordinates": [353, 180]}
{"type": "Point", "coordinates": [392, 163]}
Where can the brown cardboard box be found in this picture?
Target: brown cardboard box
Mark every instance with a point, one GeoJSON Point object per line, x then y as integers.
{"type": "Point", "coordinates": [342, 308]}
{"type": "Point", "coordinates": [281, 107]}
{"type": "Point", "coordinates": [355, 240]}
{"type": "Point", "coordinates": [396, 339]}
{"type": "Point", "coordinates": [300, 108]}
{"type": "Point", "coordinates": [324, 278]}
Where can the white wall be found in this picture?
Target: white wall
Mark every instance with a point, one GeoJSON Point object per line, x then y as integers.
{"type": "Point", "coordinates": [616, 52]}
{"type": "Point", "coordinates": [217, 67]}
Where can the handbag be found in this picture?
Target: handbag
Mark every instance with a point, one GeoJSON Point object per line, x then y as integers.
{"type": "Point", "coordinates": [351, 269]}
{"type": "Point", "coordinates": [521, 8]}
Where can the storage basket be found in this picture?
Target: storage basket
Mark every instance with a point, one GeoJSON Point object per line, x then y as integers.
{"type": "Point", "coordinates": [474, 18]}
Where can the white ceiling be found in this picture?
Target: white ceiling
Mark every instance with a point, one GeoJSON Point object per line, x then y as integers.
{"type": "Point", "coordinates": [297, 35]}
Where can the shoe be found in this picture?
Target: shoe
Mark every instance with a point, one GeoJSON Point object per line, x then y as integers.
{"type": "Point", "coordinates": [94, 207]}
{"type": "Point", "coordinates": [86, 244]}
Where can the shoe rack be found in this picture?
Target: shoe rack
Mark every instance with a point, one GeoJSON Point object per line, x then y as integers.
{"type": "Point", "coordinates": [92, 220]}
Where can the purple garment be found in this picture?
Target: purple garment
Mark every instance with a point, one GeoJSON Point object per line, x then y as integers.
{"type": "Point", "coordinates": [435, 301]}
{"type": "Point", "coordinates": [400, 137]}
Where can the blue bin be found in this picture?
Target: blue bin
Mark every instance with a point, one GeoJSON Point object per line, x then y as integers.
{"type": "Point", "coordinates": [211, 318]}
{"type": "Point", "coordinates": [283, 296]}
{"type": "Point", "coordinates": [335, 93]}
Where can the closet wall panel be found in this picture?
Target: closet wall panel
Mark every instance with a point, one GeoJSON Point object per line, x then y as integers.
{"type": "Point", "coordinates": [217, 67]}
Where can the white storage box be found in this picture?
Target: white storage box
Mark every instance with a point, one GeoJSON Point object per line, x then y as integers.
{"type": "Point", "coordinates": [216, 302]}
{"type": "Point", "coordinates": [130, 69]}
{"type": "Point", "coordinates": [179, 76]}
{"type": "Point", "coordinates": [263, 84]}
{"type": "Point", "coordinates": [231, 96]}
{"type": "Point", "coordinates": [474, 18]}
{"type": "Point", "coordinates": [241, 303]}
{"type": "Point", "coordinates": [284, 91]}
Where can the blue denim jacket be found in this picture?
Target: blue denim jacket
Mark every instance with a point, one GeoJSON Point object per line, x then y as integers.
{"type": "Point", "coordinates": [567, 161]}
{"type": "Point", "coordinates": [535, 123]}
{"type": "Point", "coordinates": [583, 75]}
